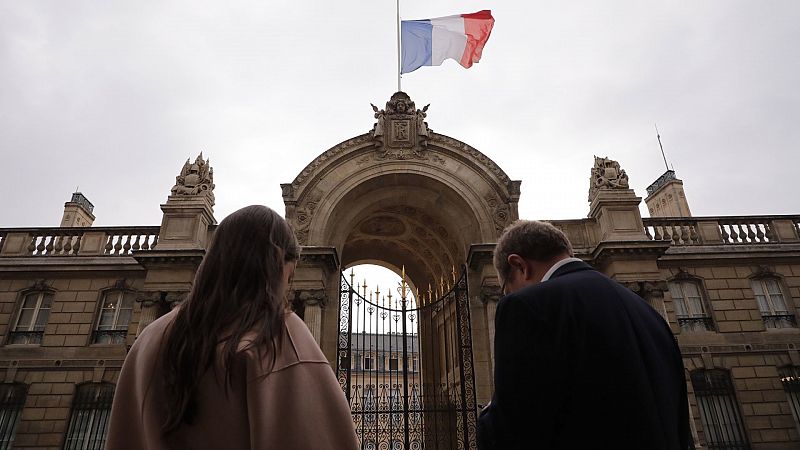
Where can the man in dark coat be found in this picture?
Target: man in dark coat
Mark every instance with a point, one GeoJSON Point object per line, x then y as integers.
{"type": "Point", "coordinates": [581, 362]}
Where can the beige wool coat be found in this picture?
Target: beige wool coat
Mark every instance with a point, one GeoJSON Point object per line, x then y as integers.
{"type": "Point", "coordinates": [298, 404]}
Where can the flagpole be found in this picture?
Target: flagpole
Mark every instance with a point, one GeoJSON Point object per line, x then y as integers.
{"type": "Point", "coordinates": [398, 45]}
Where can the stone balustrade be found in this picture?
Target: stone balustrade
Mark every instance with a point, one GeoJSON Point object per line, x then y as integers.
{"type": "Point", "coordinates": [113, 241]}
{"type": "Point", "coordinates": [749, 230]}
{"type": "Point", "coordinates": [730, 230]}
{"type": "Point", "coordinates": [676, 231]}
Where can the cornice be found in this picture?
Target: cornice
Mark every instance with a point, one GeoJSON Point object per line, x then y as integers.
{"type": "Point", "coordinates": [68, 263]}
{"type": "Point", "coordinates": [154, 258]}
{"type": "Point", "coordinates": [611, 250]}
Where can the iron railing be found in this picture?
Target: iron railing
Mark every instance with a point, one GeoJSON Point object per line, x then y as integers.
{"type": "Point", "coordinates": [722, 422]}
{"type": "Point", "coordinates": [12, 400]}
{"type": "Point", "coordinates": [109, 336]}
{"type": "Point", "coordinates": [88, 424]}
{"type": "Point", "coordinates": [696, 323]}
{"type": "Point", "coordinates": [26, 337]}
{"type": "Point", "coordinates": [779, 320]}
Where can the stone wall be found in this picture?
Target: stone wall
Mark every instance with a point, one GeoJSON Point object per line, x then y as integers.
{"type": "Point", "coordinates": [66, 357]}
{"type": "Point", "coordinates": [741, 345]}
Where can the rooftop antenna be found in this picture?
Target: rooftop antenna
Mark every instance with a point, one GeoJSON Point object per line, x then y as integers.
{"type": "Point", "coordinates": [662, 147]}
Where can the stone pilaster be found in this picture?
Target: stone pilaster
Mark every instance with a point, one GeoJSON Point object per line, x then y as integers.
{"type": "Point", "coordinates": [314, 301]}
{"type": "Point", "coordinates": [483, 306]}
{"type": "Point", "coordinates": [155, 304]}
{"type": "Point", "coordinates": [315, 281]}
{"type": "Point", "coordinates": [490, 295]}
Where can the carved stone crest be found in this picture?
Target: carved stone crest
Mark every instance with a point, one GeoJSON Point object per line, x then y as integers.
{"type": "Point", "coordinates": [400, 131]}
{"type": "Point", "coordinates": [196, 179]}
{"type": "Point", "coordinates": [606, 174]}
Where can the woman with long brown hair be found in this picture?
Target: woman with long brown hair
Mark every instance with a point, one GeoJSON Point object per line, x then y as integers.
{"type": "Point", "coordinates": [232, 367]}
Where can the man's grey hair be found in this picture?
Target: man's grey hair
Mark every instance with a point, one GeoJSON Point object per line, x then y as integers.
{"type": "Point", "coordinates": [530, 239]}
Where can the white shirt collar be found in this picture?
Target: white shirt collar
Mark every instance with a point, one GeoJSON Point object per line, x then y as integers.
{"type": "Point", "coordinates": [557, 266]}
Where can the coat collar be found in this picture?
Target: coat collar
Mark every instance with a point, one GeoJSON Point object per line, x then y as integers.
{"type": "Point", "coordinates": [574, 266]}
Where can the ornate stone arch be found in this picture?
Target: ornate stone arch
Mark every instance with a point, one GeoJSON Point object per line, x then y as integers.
{"type": "Point", "coordinates": [426, 196]}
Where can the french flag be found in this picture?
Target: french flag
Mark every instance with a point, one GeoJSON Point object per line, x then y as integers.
{"type": "Point", "coordinates": [429, 42]}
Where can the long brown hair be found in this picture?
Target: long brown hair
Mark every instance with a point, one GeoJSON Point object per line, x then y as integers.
{"type": "Point", "coordinates": [236, 290]}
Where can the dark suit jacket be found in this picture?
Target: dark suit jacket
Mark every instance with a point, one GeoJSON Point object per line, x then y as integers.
{"type": "Point", "coordinates": [581, 362]}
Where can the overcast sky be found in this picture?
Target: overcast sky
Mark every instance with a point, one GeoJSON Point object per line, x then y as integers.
{"type": "Point", "coordinates": [114, 96]}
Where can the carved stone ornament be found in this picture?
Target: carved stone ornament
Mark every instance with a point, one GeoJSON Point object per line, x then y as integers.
{"type": "Point", "coordinates": [122, 285]}
{"type": "Point", "coordinates": [400, 131]}
{"type": "Point", "coordinates": [40, 285]}
{"type": "Point", "coordinates": [762, 271]}
{"type": "Point", "coordinates": [167, 299]}
{"type": "Point", "coordinates": [606, 174]}
{"type": "Point", "coordinates": [501, 213]}
{"type": "Point", "coordinates": [196, 179]}
{"type": "Point", "coordinates": [490, 294]}
{"type": "Point", "coordinates": [304, 214]}
{"type": "Point", "coordinates": [310, 297]}
{"type": "Point", "coordinates": [647, 289]}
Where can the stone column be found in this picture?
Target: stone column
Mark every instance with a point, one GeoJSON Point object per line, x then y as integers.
{"type": "Point", "coordinates": [484, 293]}
{"type": "Point", "coordinates": [155, 304]}
{"type": "Point", "coordinates": [315, 281]}
{"type": "Point", "coordinates": [150, 310]}
{"type": "Point", "coordinates": [314, 301]}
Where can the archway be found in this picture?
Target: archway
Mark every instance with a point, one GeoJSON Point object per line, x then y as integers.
{"type": "Point", "coordinates": [404, 197]}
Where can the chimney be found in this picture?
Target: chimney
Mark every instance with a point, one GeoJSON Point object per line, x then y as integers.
{"type": "Point", "coordinates": [78, 212]}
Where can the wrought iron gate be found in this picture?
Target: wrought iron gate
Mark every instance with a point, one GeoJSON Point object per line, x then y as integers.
{"type": "Point", "coordinates": [406, 367]}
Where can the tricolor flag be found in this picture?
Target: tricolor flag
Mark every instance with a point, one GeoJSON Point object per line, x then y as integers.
{"type": "Point", "coordinates": [429, 42]}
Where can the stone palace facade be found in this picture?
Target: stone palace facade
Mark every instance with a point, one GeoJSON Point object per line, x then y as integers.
{"type": "Point", "coordinates": [73, 298]}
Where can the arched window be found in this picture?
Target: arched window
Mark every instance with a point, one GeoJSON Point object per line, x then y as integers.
{"type": "Point", "coordinates": [115, 314]}
{"type": "Point", "coordinates": [690, 307]}
{"type": "Point", "coordinates": [772, 303]}
{"type": "Point", "coordinates": [88, 423]}
{"type": "Point", "coordinates": [722, 422]}
{"type": "Point", "coordinates": [32, 318]}
{"type": "Point", "coordinates": [12, 399]}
